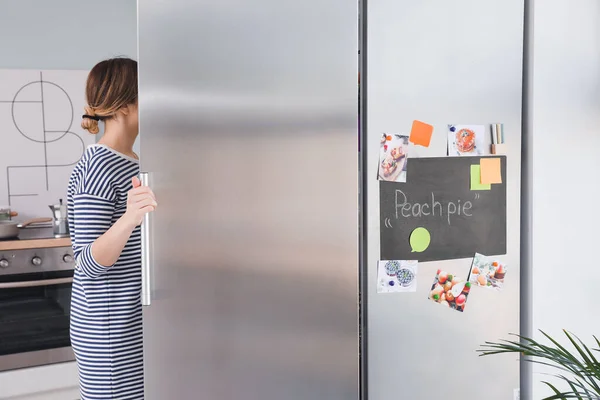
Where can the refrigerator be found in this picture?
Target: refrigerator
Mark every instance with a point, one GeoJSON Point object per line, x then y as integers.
{"type": "Point", "coordinates": [442, 63]}
{"type": "Point", "coordinates": [248, 137]}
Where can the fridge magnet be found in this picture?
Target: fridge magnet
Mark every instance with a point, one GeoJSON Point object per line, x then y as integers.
{"type": "Point", "coordinates": [487, 272]}
{"type": "Point", "coordinates": [420, 239]}
{"type": "Point", "coordinates": [449, 291]}
{"type": "Point", "coordinates": [420, 133]}
{"type": "Point", "coordinates": [466, 140]}
{"type": "Point", "coordinates": [393, 158]}
{"type": "Point", "coordinates": [396, 276]}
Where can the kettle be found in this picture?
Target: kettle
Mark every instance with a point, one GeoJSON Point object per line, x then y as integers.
{"type": "Point", "coordinates": [60, 222]}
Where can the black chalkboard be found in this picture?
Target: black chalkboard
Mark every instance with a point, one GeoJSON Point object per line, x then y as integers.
{"type": "Point", "coordinates": [465, 222]}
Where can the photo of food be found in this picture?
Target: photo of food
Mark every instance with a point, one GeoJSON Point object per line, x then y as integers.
{"type": "Point", "coordinates": [397, 276]}
{"type": "Point", "coordinates": [467, 140]}
{"type": "Point", "coordinates": [449, 290]}
{"type": "Point", "coordinates": [487, 272]}
{"type": "Point", "coordinates": [393, 156]}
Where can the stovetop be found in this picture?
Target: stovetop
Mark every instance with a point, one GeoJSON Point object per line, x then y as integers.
{"type": "Point", "coordinates": [31, 233]}
{"type": "Point", "coordinates": [36, 250]}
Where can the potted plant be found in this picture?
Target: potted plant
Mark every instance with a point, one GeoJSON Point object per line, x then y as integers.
{"type": "Point", "coordinates": [579, 367]}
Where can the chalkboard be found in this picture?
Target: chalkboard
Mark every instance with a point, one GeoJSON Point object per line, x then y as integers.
{"type": "Point", "coordinates": [437, 196]}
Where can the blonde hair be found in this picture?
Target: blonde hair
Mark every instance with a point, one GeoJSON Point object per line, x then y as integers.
{"type": "Point", "coordinates": [111, 85]}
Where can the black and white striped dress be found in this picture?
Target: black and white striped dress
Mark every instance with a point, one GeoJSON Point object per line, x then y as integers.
{"type": "Point", "coordinates": [106, 314]}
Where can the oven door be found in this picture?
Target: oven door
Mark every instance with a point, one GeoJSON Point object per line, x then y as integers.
{"type": "Point", "coordinates": [34, 319]}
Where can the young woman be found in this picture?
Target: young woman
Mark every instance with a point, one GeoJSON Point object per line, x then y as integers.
{"type": "Point", "coordinates": [106, 205]}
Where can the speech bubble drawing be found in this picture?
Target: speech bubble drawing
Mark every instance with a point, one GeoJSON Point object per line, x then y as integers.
{"type": "Point", "coordinates": [419, 240]}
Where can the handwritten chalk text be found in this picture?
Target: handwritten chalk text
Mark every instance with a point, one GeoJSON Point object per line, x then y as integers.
{"type": "Point", "coordinates": [435, 208]}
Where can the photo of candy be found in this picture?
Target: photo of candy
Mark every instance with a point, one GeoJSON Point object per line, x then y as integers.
{"type": "Point", "coordinates": [393, 154]}
{"type": "Point", "coordinates": [467, 140]}
{"type": "Point", "coordinates": [487, 272]}
{"type": "Point", "coordinates": [449, 290]}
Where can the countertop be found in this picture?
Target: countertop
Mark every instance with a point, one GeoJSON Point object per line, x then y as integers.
{"type": "Point", "coordinates": [34, 243]}
{"type": "Point", "coordinates": [35, 238]}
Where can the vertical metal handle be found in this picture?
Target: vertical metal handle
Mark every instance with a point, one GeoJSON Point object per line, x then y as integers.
{"type": "Point", "coordinates": [146, 299]}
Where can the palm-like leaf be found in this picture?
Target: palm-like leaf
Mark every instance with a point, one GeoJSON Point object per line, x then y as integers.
{"type": "Point", "coordinates": [580, 369]}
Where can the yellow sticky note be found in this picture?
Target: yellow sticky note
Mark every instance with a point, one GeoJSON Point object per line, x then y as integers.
{"type": "Point", "coordinates": [476, 179]}
{"type": "Point", "coordinates": [490, 170]}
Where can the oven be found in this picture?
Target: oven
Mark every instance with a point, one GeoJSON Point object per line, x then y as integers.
{"type": "Point", "coordinates": [35, 300]}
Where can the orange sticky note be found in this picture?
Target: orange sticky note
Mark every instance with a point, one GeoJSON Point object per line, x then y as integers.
{"type": "Point", "coordinates": [421, 133]}
{"type": "Point", "coordinates": [490, 170]}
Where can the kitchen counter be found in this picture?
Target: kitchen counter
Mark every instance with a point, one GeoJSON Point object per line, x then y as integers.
{"type": "Point", "coordinates": [34, 243]}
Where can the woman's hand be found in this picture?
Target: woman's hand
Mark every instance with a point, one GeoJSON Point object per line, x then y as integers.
{"type": "Point", "coordinates": [106, 249]}
{"type": "Point", "coordinates": [140, 201]}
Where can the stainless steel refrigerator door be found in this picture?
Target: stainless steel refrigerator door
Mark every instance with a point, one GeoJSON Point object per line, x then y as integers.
{"type": "Point", "coordinates": [443, 63]}
{"type": "Point", "coordinates": [248, 116]}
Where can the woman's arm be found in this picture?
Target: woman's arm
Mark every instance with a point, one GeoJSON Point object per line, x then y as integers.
{"type": "Point", "coordinates": [108, 247]}
{"type": "Point", "coordinates": [102, 252]}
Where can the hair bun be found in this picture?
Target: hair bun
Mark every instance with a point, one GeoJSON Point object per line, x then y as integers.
{"type": "Point", "coordinates": [90, 125]}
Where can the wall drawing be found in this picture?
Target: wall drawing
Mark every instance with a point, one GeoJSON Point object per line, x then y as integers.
{"type": "Point", "coordinates": [40, 137]}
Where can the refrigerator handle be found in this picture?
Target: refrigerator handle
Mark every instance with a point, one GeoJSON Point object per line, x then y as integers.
{"type": "Point", "coordinates": [145, 233]}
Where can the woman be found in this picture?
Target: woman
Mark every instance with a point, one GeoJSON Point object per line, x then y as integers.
{"type": "Point", "coordinates": [106, 205]}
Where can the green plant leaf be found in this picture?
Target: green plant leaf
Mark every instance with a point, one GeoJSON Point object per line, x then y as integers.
{"type": "Point", "coordinates": [527, 350]}
{"type": "Point", "coordinates": [576, 383]}
{"type": "Point", "coordinates": [574, 389]}
{"type": "Point", "coordinates": [563, 357]}
{"type": "Point", "coordinates": [591, 361]}
{"type": "Point", "coordinates": [580, 368]}
{"type": "Point", "coordinates": [563, 395]}
{"type": "Point", "coordinates": [589, 369]}
{"type": "Point", "coordinates": [558, 395]}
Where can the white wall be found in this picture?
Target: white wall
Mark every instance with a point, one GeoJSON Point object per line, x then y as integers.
{"type": "Point", "coordinates": [60, 34]}
{"type": "Point", "coordinates": [66, 34]}
{"type": "Point", "coordinates": [564, 124]}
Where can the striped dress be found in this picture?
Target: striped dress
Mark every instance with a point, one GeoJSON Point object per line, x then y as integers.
{"type": "Point", "coordinates": [106, 313]}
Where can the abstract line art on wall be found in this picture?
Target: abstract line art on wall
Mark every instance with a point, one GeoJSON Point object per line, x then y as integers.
{"type": "Point", "coordinates": [40, 136]}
